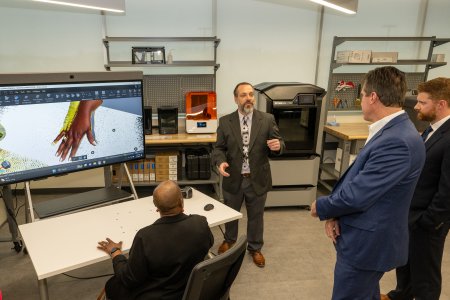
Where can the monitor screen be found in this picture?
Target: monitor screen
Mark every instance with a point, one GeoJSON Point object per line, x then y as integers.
{"type": "Point", "coordinates": [52, 124]}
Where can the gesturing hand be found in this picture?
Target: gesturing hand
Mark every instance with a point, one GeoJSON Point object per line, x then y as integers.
{"type": "Point", "coordinates": [222, 168]}
{"type": "Point", "coordinates": [274, 144]}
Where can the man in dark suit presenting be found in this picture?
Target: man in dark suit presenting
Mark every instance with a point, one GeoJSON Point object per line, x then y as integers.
{"type": "Point", "coordinates": [245, 138]}
{"type": "Point", "coordinates": [367, 212]}
{"type": "Point", "coordinates": [429, 216]}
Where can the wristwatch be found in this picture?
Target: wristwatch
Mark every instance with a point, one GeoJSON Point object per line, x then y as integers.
{"type": "Point", "coordinates": [114, 249]}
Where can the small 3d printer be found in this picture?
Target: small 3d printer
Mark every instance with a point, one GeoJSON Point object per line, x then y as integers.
{"type": "Point", "coordinates": [201, 112]}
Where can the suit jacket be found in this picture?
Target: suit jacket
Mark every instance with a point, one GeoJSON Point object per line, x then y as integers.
{"type": "Point", "coordinates": [372, 199]}
{"type": "Point", "coordinates": [228, 148]}
{"type": "Point", "coordinates": [430, 206]}
{"type": "Point", "coordinates": [161, 259]}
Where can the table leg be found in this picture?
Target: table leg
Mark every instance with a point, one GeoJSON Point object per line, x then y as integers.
{"type": "Point", "coordinates": [43, 289]}
{"type": "Point", "coordinates": [346, 145]}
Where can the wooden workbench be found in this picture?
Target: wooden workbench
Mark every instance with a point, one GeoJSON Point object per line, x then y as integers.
{"type": "Point", "coordinates": [349, 131]}
{"type": "Point", "coordinates": [180, 138]}
{"type": "Point", "coordinates": [351, 138]}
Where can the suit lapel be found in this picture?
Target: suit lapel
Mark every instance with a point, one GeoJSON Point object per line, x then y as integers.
{"type": "Point", "coordinates": [392, 122]}
{"type": "Point", "coordinates": [389, 124]}
{"type": "Point", "coordinates": [235, 125]}
{"type": "Point", "coordinates": [440, 132]}
{"type": "Point", "coordinates": [256, 126]}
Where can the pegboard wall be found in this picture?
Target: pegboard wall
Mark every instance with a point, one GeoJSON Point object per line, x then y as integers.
{"type": "Point", "coordinates": [345, 98]}
{"type": "Point", "coordinates": [170, 90]}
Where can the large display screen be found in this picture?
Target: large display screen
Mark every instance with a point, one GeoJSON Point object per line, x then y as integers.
{"type": "Point", "coordinates": [52, 124]}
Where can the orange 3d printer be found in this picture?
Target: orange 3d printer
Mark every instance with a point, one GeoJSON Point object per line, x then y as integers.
{"type": "Point", "coordinates": [201, 112]}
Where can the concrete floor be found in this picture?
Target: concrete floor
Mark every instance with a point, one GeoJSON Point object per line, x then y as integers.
{"type": "Point", "coordinates": [299, 264]}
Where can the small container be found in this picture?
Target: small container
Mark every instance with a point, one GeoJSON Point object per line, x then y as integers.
{"type": "Point", "coordinates": [170, 57]}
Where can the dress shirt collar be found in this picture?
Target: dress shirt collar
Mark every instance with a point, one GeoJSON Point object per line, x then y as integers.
{"type": "Point", "coordinates": [438, 124]}
{"type": "Point", "coordinates": [241, 116]}
{"type": "Point", "coordinates": [375, 127]}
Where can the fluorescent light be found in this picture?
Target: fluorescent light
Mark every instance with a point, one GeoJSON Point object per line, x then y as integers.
{"type": "Point", "coordinates": [107, 5]}
{"type": "Point", "coordinates": [346, 6]}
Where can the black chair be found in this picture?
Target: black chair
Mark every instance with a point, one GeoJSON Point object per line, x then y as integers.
{"type": "Point", "coordinates": [211, 279]}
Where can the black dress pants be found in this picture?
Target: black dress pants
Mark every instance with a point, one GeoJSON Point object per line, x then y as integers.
{"type": "Point", "coordinates": [420, 278]}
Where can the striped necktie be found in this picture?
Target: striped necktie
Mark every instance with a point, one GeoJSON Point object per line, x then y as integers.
{"type": "Point", "coordinates": [245, 138]}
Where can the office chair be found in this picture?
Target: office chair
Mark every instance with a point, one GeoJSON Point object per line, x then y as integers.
{"type": "Point", "coordinates": [212, 278]}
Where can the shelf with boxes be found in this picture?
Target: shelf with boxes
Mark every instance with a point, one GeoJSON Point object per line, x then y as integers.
{"type": "Point", "coordinates": [348, 67]}
{"type": "Point", "coordinates": [180, 157]}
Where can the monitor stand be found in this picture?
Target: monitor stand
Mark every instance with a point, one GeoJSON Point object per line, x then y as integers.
{"type": "Point", "coordinates": [10, 219]}
{"type": "Point", "coordinates": [82, 201]}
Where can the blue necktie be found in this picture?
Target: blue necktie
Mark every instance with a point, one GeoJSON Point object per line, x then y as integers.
{"type": "Point", "coordinates": [426, 133]}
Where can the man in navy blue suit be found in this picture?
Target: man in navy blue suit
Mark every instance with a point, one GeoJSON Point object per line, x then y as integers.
{"type": "Point", "coordinates": [367, 212]}
{"type": "Point", "coordinates": [429, 215]}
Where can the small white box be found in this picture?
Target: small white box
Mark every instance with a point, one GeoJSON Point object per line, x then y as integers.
{"type": "Point", "coordinates": [360, 56]}
{"type": "Point", "coordinates": [338, 160]}
{"type": "Point", "coordinates": [438, 58]}
{"type": "Point", "coordinates": [343, 56]}
{"type": "Point", "coordinates": [384, 57]}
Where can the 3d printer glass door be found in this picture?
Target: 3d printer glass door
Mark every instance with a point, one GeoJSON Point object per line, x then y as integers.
{"type": "Point", "coordinates": [201, 112]}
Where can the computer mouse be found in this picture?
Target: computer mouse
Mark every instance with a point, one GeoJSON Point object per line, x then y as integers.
{"type": "Point", "coordinates": [208, 207]}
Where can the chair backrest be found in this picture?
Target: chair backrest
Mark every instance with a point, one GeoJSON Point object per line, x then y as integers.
{"type": "Point", "coordinates": [212, 278]}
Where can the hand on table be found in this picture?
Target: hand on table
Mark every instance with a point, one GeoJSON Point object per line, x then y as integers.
{"type": "Point", "coordinates": [108, 245]}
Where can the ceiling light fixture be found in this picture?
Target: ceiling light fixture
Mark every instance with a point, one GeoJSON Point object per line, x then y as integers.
{"type": "Point", "coordinates": [106, 5]}
{"type": "Point", "coordinates": [346, 6]}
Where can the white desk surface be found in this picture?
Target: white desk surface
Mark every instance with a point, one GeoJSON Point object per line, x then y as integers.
{"type": "Point", "coordinates": [69, 242]}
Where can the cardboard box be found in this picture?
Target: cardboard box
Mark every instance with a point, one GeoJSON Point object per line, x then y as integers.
{"type": "Point", "coordinates": [162, 177]}
{"type": "Point", "coordinates": [384, 57]}
{"type": "Point", "coordinates": [343, 56]}
{"type": "Point", "coordinates": [165, 157]}
{"type": "Point", "coordinates": [360, 56]}
{"type": "Point", "coordinates": [166, 171]}
{"type": "Point", "coordinates": [141, 170]}
{"type": "Point", "coordinates": [152, 169]}
{"type": "Point", "coordinates": [167, 165]}
{"type": "Point", "coordinates": [135, 172]}
{"type": "Point", "coordinates": [437, 57]}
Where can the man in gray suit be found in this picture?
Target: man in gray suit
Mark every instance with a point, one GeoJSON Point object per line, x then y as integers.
{"type": "Point", "coordinates": [245, 138]}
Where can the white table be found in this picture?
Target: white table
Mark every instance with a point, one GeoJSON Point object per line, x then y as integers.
{"type": "Point", "coordinates": [69, 242]}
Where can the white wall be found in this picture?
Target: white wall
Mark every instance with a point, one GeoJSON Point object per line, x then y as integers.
{"type": "Point", "coordinates": [261, 40]}
{"type": "Point", "coordinates": [33, 40]}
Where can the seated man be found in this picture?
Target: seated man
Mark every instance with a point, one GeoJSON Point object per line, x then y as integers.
{"type": "Point", "coordinates": [163, 254]}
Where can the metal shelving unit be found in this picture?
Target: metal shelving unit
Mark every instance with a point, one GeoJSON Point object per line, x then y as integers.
{"type": "Point", "coordinates": [202, 63]}
{"type": "Point", "coordinates": [413, 78]}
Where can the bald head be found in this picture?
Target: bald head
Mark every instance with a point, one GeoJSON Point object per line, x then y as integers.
{"type": "Point", "coordinates": [167, 198]}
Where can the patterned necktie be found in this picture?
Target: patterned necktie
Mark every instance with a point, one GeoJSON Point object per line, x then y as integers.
{"type": "Point", "coordinates": [426, 133]}
{"type": "Point", "coordinates": [245, 139]}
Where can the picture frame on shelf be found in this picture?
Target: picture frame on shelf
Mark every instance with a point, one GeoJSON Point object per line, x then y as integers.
{"type": "Point", "coordinates": [148, 55]}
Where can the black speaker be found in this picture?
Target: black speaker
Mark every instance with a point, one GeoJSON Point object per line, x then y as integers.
{"type": "Point", "coordinates": [148, 119]}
